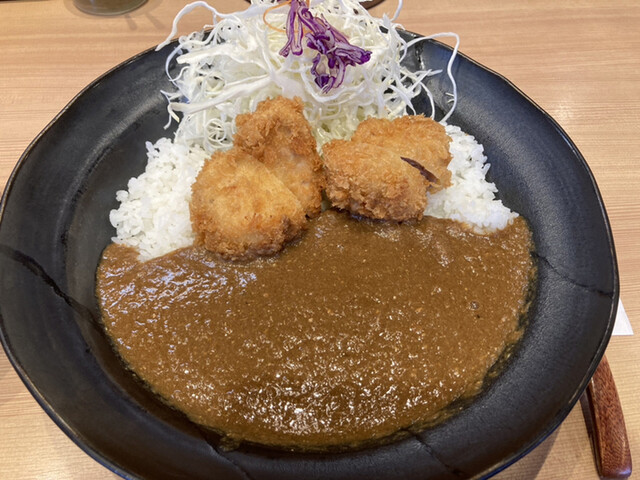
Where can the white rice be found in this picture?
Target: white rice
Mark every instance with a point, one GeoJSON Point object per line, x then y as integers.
{"type": "Point", "coordinates": [154, 210]}
{"type": "Point", "coordinates": [470, 198]}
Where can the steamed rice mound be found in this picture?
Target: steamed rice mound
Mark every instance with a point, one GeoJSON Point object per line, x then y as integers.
{"type": "Point", "coordinates": [470, 198]}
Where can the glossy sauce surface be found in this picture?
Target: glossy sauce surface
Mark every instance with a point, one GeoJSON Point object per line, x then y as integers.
{"type": "Point", "coordinates": [358, 330]}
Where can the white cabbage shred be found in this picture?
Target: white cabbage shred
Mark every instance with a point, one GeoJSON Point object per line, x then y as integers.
{"type": "Point", "coordinates": [230, 68]}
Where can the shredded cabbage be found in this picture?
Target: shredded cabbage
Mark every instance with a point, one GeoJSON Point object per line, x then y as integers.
{"type": "Point", "coordinates": [233, 64]}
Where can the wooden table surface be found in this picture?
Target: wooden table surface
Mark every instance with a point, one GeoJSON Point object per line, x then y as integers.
{"type": "Point", "coordinates": [579, 60]}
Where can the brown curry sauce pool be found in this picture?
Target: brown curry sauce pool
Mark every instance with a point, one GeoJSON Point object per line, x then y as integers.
{"type": "Point", "coordinates": [358, 330]}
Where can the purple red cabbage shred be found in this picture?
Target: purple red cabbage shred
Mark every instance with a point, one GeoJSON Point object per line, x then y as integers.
{"type": "Point", "coordinates": [335, 53]}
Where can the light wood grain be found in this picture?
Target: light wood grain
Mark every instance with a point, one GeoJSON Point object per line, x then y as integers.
{"type": "Point", "coordinates": [579, 60]}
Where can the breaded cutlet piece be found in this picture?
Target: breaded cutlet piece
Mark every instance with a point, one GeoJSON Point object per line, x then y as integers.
{"type": "Point", "coordinates": [412, 136]}
{"type": "Point", "coordinates": [278, 135]}
{"type": "Point", "coordinates": [372, 181]}
{"type": "Point", "coordinates": [239, 209]}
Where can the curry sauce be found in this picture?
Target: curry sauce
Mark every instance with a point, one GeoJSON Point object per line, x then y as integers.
{"type": "Point", "coordinates": [354, 332]}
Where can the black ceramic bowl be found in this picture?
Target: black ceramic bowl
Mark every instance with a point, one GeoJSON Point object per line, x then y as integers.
{"type": "Point", "coordinates": [54, 226]}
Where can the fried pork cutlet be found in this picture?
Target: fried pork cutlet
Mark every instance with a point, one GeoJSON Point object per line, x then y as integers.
{"type": "Point", "coordinates": [415, 137]}
{"type": "Point", "coordinates": [386, 169]}
{"type": "Point", "coordinates": [369, 180]}
{"type": "Point", "coordinates": [240, 209]}
{"type": "Point", "coordinates": [278, 135]}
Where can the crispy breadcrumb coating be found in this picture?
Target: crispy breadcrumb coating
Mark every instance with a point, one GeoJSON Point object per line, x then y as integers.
{"type": "Point", "coordinates": [368, 176]}
{"type": "Point", "coordinates": [278, 135]}
{"type": "Point", "coordinates": [412, 136]}
{"type": "Point", "coordinates": [239, 209]}
{"type": "Point", "coordinates": [369, 180]}
{"type": "Point", "coordinates": [256, 197]}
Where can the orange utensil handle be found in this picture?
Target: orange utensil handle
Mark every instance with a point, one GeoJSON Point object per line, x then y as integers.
{"type": "Point", "coordinates": [613, 457]}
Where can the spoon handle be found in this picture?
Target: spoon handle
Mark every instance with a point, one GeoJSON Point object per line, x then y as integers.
{"type": "Point", "coordinates": [613, 457]}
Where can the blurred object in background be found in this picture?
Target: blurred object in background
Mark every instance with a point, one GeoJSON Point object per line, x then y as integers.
{"type": "Point", "coordinates": [372, 3]}
{"type": "Point", "coordinates": [107, 7]}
